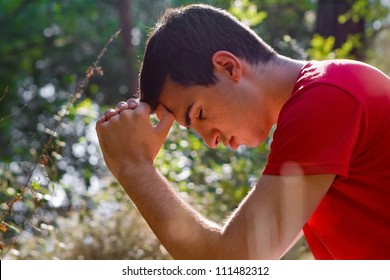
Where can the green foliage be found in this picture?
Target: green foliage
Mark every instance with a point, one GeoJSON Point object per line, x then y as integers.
{"type": "Point", "coordinates": [288, 26]}
{"type": "Point", "coordinates": [35, 186]}
{"type": "Point", "coordinates": [246, 11]}
{"type": "Point", "coordinates": [323, 48]}
{"type": "Point", "coordinates": [371, 11]}
{"type": "Point", "coordinates": [375, 16]}
{"type": "Point", "coordinates": [112, 231]}
{"type": "Point", "coordinates": [57, 199]}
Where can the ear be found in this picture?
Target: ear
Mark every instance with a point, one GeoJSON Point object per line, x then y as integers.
{"type": "Point", "coordinates": [227, 63]}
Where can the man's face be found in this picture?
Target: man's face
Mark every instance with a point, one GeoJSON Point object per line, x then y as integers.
{"type": "Point", "coordinates": [221, 114]}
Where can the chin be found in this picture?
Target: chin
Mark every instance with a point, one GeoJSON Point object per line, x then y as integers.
{"type": "Point", "coordinates": [254, 141]}
{"type": "Point", "coordinates": [253, 144]}
{"type": "Point", "coordinates": [257, 142]}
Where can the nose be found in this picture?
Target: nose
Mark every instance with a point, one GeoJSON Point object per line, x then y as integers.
{"type": "Point", "coordinates": [210, 137]}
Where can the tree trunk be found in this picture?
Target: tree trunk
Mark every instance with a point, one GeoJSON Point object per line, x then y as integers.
{"type": "Point", "coordinates": [328, 12]}
{"type": "Point", "coordinates": [126, 24]}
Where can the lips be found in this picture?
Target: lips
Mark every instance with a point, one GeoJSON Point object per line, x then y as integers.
{"type": "Point", "coordinates": [233, 144]}
{"type": "Point", "coordinates": [230, 142]}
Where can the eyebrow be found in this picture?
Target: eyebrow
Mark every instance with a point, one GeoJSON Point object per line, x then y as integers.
{"type": "Point", "coordinates": [187, 116]}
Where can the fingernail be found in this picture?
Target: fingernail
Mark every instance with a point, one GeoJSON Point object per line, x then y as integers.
{"type": "Point", "coordinates": [102, 119]}
{"type": "Point", "coordinates": [132, 103]}
{"type": "Point", "coordinates": [121, 105]}
{"type": "Point", "coordinates": [110, 113]}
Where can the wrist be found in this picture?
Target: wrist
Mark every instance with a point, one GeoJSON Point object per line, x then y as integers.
{"type": "Point", "coordinates": [130, 174]}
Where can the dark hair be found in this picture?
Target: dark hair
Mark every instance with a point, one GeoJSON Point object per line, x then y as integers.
{"type": "Point", "coordinates": [183, 43]}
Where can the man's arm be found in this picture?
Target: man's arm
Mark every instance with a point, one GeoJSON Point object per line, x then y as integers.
{"type": "Point", "coordinates": [263, 226]}
{"type": "Point", "coordinates": [274, 213]}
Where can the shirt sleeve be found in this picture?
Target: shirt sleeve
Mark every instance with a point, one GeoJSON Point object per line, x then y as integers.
{"type": "Point", "coordinates": [317, 132]}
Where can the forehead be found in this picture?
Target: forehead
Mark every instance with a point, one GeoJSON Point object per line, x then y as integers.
{"type": "Point", "coordinates": [177, 99]}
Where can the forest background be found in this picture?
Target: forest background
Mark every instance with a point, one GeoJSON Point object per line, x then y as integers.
{"type": "Point", "coordinates": [57, 198]}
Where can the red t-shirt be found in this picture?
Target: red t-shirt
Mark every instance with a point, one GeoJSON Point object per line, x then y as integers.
{"type": "Point", "coordinates": [337, 121]}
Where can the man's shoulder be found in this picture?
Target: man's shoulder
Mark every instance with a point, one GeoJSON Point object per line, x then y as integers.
{"type": "Point", "coordinates": [341, 72]}
{"type": "Point", "coordinates": [333, 71]}
{"type": "Point", "coordinates": [358, 79]}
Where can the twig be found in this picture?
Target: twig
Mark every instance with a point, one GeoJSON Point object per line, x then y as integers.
{"type": "Point", "coordinates": [13, 113]}
{"type": "Point", "coordinates": [44, 155]}
{"type": "Point", "coordinates": [4, 94]}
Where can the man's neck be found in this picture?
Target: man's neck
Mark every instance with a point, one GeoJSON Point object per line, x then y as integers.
{"type": "Point", "coordinates": [278, 78]}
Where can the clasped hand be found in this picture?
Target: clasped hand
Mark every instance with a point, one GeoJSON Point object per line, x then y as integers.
{"type": "Point", "coordinates": [128, 139]}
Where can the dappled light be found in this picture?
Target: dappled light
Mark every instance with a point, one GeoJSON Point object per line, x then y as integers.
{"type": "Point", "coordinates": [61, 71]}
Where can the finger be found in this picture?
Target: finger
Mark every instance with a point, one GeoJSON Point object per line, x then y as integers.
{"type": "Point", "coordinates": [166, 120]}
{"type": "Point", "coordinates": [122, 105]}
{"type": "Point", "coordinates": [102, 119]}
{"type": "Point", "coordinates": [132, 103]}
{"type": "Point", "coordinates": [144, 108]}
{"type": "Point", "coordinates": [110, 113]}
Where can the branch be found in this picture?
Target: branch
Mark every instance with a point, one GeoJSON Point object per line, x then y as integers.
{"type": "Point", "coordinates": [45, 156]}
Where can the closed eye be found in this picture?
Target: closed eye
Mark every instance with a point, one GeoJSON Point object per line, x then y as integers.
{"type": "Point", "coordinates": [200, 115]}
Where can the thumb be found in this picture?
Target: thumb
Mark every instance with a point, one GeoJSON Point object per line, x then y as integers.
{"type": "Point", "coordinates": [166, 120]}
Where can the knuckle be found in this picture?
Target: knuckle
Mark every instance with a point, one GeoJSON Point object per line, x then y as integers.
{"type": "Point", "coordinates": [140, 111]}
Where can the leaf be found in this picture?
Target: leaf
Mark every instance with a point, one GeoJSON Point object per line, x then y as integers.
{"type": "Point", "coordinates": [84, 107]}
{"type": "Point", "coordinates": [99, 70]}
{"type": "Point", "coordinates": [89, 72]}
{"type": "Point", "coordinates": [3, 227]}
{"type": "Point", "coordinates": [35, 186]}
{"type": "Point", "coordinates": [247, 12]}
{"type": "Point", "coordinates": [12, 227]}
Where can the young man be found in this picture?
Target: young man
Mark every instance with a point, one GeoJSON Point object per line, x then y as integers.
{"type": "Point", "coordinates": [328, 173]}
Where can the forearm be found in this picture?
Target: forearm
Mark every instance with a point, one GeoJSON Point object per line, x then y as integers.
{"type": "Point", "coordinates": [129, 144]}
{"type": "Point", "coordinates": [182, 231]}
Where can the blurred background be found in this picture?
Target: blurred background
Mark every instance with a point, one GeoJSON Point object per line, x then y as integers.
{"type": "Point", "coordinates": [57, 198]}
